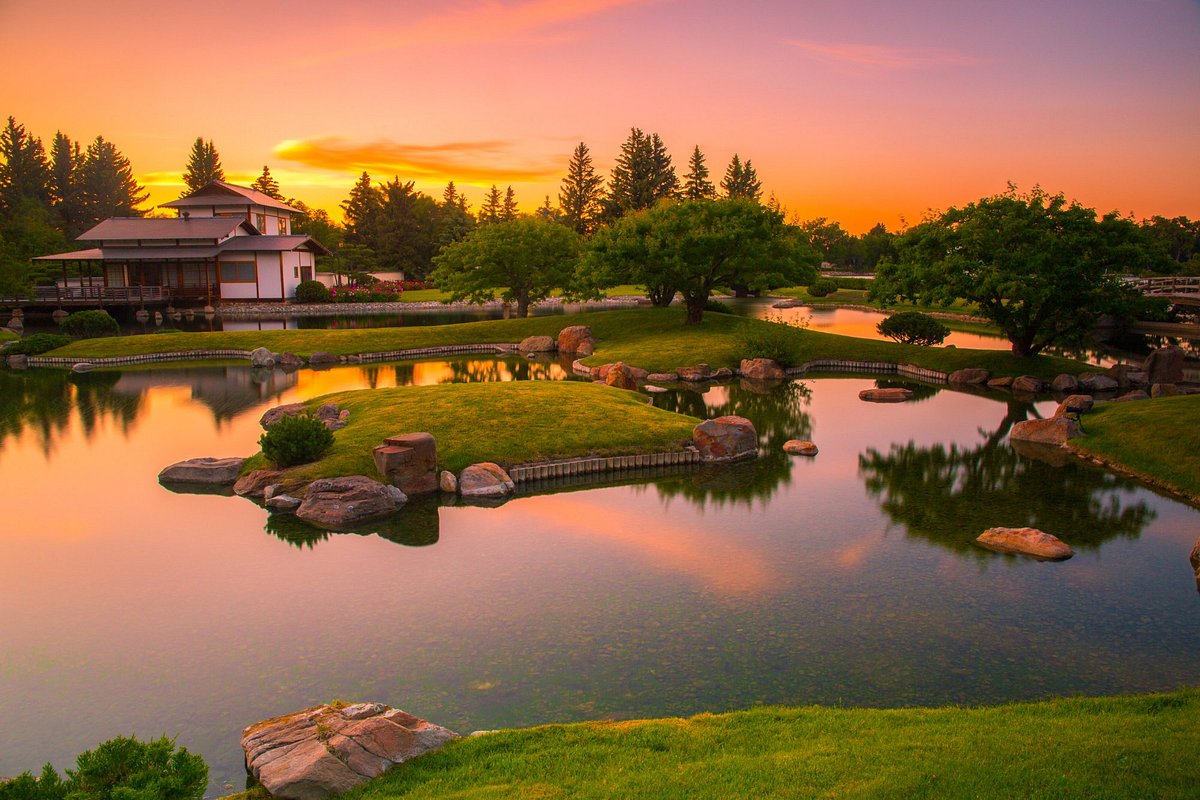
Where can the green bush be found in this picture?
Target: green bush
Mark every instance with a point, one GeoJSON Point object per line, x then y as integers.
{"type": "Point", "coordinates": [913, 327]}
{"type": "Point", "coordinates": [774, 338]}
{"type": "Point", "coordinates": [296, 440]}
{"type": "Point", "coordinates": [37, 343]}
{"type": "Point", "coordinates": [853, 283]}
{"type": "Point", "coordinates": [717, 307]}
{"type": "Point", "coordinates": [90, 324]}
{"type": "Point", "coordinates": [119, 769]}
{"type": "Point", "coordinates": [822, 286]}
{"type": "Point", "coordinates": [312, 292]}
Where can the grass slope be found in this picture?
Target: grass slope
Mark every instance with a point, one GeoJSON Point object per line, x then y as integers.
{"type": "Point", "coordinates": [509, 423]}
{"type": "Point", "coordinates": [1113, 747]}
{"type": "Point", "coordinates": [1156, 439]}
{"type": "Point", "coordinates": [651, 338]}
{"type": "Point", "coordinates": [7, 336]}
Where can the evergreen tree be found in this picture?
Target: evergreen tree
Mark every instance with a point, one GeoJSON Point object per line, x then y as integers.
{"type": "Point", "coordinates": [66, 172]}
{"type": "Point", "coordinates": [741, 180]}
{"type": "Point", "coordinates": [203, 167]}
{"type": "Point", "coordinates": [696, 185]}
{"type": "Point", "coordinates": [406, 237]}
{"type": "Point", "coordinates": [582, 194]}
{"type": "Point", "coordinates": [642, 176]}
{"type": "Point", "coordinates": [509, 211]}
{"type": "Point", "coordinates": [450, 195]}
{"type": "Point", "coordinates": [492, 206]}
{"type": "Point", "coordinates": [547, 211]}
{"type": "Point", "coordinates": [24, 171]}
{"type": "Point", "coordinates": [267, 185]}
{"type": "Point", "coordinates": [361, 211]}
{"type": "Point", "coordinates": [107, 186]}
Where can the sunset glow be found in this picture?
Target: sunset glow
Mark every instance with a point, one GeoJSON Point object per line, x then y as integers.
{"type": "Point", "coordinates": [856, 111]}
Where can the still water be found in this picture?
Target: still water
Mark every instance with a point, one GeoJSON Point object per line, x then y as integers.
{"type": "Point", "coordinates": [846, 579]}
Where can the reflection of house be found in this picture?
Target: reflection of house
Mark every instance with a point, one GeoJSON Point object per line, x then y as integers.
{"type": "Point", "coordinates": [228, 243]}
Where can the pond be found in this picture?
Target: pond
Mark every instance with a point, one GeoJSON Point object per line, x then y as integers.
{"type": "Point", "coordinates": [848, 579]}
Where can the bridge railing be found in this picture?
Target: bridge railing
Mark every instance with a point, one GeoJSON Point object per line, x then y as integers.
{"type": "Point", "coordinates": [1170, 285]}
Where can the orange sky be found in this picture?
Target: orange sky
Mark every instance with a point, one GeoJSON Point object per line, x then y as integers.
{"type": "Point", "coordinates": [857, 111]}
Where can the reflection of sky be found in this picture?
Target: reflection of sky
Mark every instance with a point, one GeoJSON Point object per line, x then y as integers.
{"type": "Point", "coordinates": [126, 608]}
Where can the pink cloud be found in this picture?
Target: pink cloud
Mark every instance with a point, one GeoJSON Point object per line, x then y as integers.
{"type": "Point", "coordinates": [874, 56]}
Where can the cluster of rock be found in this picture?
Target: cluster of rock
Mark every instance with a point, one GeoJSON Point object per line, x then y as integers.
{"type": "Point", "coordinates": [289, 362]}
{"type": "Point", "coordinates": [329, 749]}
{"type": "Point", "coordinates": [576, 339]}
{"type": "Point", "coordinates": [330, 414]}
{"type": "Point", "coordinates": [1026, 541]}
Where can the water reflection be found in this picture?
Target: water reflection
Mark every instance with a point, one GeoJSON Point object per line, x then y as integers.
{"type": "Point", "coordinates": [46, 402]}
{"type": "Point", "coordinates": [418, 525]}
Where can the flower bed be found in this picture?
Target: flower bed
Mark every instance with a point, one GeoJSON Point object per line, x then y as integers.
{"type": "Point", "coordinates": [378, 292]}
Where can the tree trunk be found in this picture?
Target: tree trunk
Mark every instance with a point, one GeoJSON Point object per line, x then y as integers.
{"type": "Point", "coordinates": [695, 308]}
{"type": "Point", "coordinates": [660, 296]}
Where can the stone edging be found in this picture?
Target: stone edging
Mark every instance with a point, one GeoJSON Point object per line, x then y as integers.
{"type": "Point", "coordinates": [571, 467]}
{"type": "Point", "coordinates": [1158, 484]}
{"type": "Point", "coordinates": [827, 365]}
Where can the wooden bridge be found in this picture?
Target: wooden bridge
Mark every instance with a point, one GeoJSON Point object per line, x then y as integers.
{"type": "Point", "coordinates": [1182, 290]}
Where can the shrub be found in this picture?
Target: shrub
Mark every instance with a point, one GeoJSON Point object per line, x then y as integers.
{"type": "Point", "coordinates": [853, 283]}
{"type": "Point", "coordinates": [717, 307]}
{"type": "Point", "coordinates": [119, 769]}
{"type": "Point", "coordinates": [38, 343]}
{"type": "Point", "coordinates": [296, 440]}
{"type": "Point", "coordinates": [312, 292]}
{"type": "Point", "coordinates": [377, 292]}
{"type": "Point", "coordinates": [90, 324]}
{"type": "Point", "coordinates": [822, 286]}
{"type": "Point", "coordinates": [913, 327]}
{"type": "Point", "coordinates": [773, 337]}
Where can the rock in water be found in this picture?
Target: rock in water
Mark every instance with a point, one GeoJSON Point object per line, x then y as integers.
{"type": "Point", "coordinates": [485, 480]}
{"type": "Point", "coordinates": [971, 377]}
{"type": "Point", "coordinates": [1056, 430]}
{"type": "Point", "coordinates": [261, 357]}
{"type": "Point", "coordinates": [255, 482]}
{"type": "Point", "coordinates": [1164, 365]}
{"type": "Point", "coordinates": [761, 369]}
{"type": "Point", "coordinates": [1065, 384]}
{"type": "Point", "coordinates": [341, 503]}
{"type": "Point", "coordinates": [799, 447]}
{"type": "Point", "coordinates": [894, 395]}
{"type": "Point", "coordinates": [726, 438]}
{"type": "Point", "coordinates": [448, 482]}
{"type": "Point", "coordinates": [326, 750]}
{"type": "Point", "coordinates": [1093, 382]}
{"type": "Point", "coordinates": [1075, 404]}
{"type": "Point", "coordinates": [620, 376]}
{"type": "Point", "coordinates": [207, 471]}
{"type": "Point", "coordinates": [1026, 541]}
{"type": "Point", "coordinates": [537, 344]}
{"type": "Point", "coordinates": [1028, 384]}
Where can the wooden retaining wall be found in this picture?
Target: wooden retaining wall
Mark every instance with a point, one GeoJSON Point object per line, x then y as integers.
{"type": "Point", "coordinates": [571, 467]}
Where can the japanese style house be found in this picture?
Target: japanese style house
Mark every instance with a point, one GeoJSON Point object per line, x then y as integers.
{"type": "Point", "coordinates": [227, 243]}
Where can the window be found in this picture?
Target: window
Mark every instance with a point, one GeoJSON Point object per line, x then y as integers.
{"type": "Point", "coordinates": [238, 272]}
{"type": "Point", "coordinates": [282, 226]}
{"type": "Point", "coordinates": [296, 271]}
{"type": "Point", "coordinates": [262, 222]}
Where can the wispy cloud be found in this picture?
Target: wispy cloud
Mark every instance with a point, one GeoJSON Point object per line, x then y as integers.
{"type": "Point", "coordinates": [467, 162]}
{"type": "Point", "coordinates": [882, 57]}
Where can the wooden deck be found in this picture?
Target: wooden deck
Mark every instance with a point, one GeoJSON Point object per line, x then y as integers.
{"type": "Point", "coordinates": [96, 296]}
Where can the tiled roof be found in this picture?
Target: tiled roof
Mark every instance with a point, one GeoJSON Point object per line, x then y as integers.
{"type": "Point", "coordinates": [135, 228]}
{"type": "Point", "coordinates": [222, 193]}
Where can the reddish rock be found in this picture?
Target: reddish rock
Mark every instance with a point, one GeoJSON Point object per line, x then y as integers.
{"type": "Point", "coordinates": [1004, 382]}
{"type": "Point", "coordinates": [1075, 404]}
{"type": "Point", "coordinates": [722, 374]}
{"type": "Point", "coordinates": [1195, 560]}
{"type": "Point", "coordinates": [799, 447]}
{"type": "Point", "coordinates": [1065, 384]}
{"type": "Point", "coordinates": [893, 395]}
{"type": "Point", "coordinates": [696, 374]}
{"type": "Point", "coordinates": [1026, 541]}
{"type": "Point", "coordinates": [409, 462]}
{"type": "Point", "coordinates": [326, 750]}
{"type": "Point", "coordinates": [1056, 430]}
{"type": "Point", "coordinates": [321, 359]}
{"type": "Point", "coordinates": [254, 484]}
{"type": "Point", "coordinates": [620, 376]}
{"type": "Point", "coordinates": [486, 480]}
{"type": "Point", "coordinates": [207, 471]}
{"type": "Point", "coordinates": [973, 377]}
{"type": "Point", "coordinates": [1164, 390]}
{"type": "Point", "coordinates": [726, 439]}
{"type": "Point", "coordinates": [662, 377]}
{"type": "Point", "coordinates": [1128, 376]}
{"type": "Point", "coordinates": [1134, 395]}
{"type": "Point", "coordinates": [538, 344]}
{"type": "Point", "coordinates": [577, 339]}
{"type": "Point", "coordinates": [273, 415]}
{"type": "Point", "coordinates": [289, 361]}
{"type": "Point", "coordinates": [1028, 384]}
{"type": "Point", "coordinates": [1093, 382]}
{"type": "Point", "coordinates": [342, 503]}
{"type": "Point", "coordinates": [1164, 365]}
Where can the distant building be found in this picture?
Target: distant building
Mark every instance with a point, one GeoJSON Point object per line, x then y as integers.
{"type": "Point", "coordinates": [228, 243]}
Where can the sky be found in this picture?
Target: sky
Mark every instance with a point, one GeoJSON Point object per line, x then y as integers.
{"type": "Point", "coordinates": [860, 112]}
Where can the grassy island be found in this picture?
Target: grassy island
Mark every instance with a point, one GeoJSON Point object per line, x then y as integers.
{"type": "Point", "coordinates": [1110, 747]}
{"type": "Point", "coordinates": [508, 423]}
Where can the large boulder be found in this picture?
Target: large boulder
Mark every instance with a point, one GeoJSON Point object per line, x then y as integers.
{"type": "Point", "coordinates": [1075, 404]}
{"type": "Point", "coordinates": [538, 344]}
{"type": "Point", "coordinates": [1164, 390]}
{"type": "Point", "coordinates": [409, 462]}
{"type": "Point", "coordinates": [486, 480]}
{"type": "Point", "coordinates": [1128, 376]}
{"type": "Point", "coordinates": [289, 361]}
{"type": "Point", "coordinates": [322, 360]}
{"type": "Point", "coordinates": [254, 483]}
{"type": "Point", "coordinates": [1026, 541]}
{"type": "Point", "coordinates": [1003, 382]}
{"type": "Point", "coordinates": [1164, 365]}
{"type": "Point", "coordinates": [761, 369]}
{"type": "Point", "coordinates": [891, 395]}
{"type": "Point", "coordinates": [1055, 430]}
{"type": "Point", "coordinates": [695, 374]}
{"type": "Point", "coordinates": [799, 447]}
{"type": "Point", "coordinates": [333, 417]}
{"type": "Point", "coordinates": [17, 361]}
{"type": "Point", "coordinates": [342, 503]}
{"type": "Point", "coordinates": [1093, 382]}
{"type": "Point", "coordinates": [273, 415]}
{"type": "Point", "coordinates": [971, 377]}
{"type": "Point", "coordinates": [1028, 384]}
{"type": "Point", "coordinates": [326, 750]}
{"type": "Point", "coordinates": [620, 376]}
{"type": "Point", "coordinates": [261, 357]}
{"type": "Point", "coordinates": [726, 439]}
{"type": "Point", "coordinates": [577, 339]}
{"type": "Point", "coordinates": [1065, 384]}
{"type": "Point", "coordinates": [206, 471]}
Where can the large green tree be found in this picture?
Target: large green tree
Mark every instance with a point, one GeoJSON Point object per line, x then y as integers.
{"type": "Point", "coordinates": [523, 259]}
{"type": "Point", "coordinates": [697, 246]}
{"type": "Point", "coordinates": [741, 180]}
{"type": "Point", "coordinates": [361, 211]}
{"type": "Point", "coordinates": [203, 167]}
{"type": "Point", "coordinates": [24, 170]}
{"type": "Point", "coordinates": [643, 175]}
{"type": "Point", "coordinates": [1037, 265]}
{"type": "Point", "coordinates": [107, 186]}
{"type": "Point", "coordinates": [696, 185]}
{"type": "Point", "coordinates": [581, 196]}
{"type": "Point", "coordinates": [26, 231]}
{"type": "Point", "coordinates": [66, 174]}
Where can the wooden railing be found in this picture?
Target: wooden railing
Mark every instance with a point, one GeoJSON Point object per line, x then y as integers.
{"type": "Point", "coordinates": [1166, 286]}
{"type": "Point", "coordinates": [75, 295]}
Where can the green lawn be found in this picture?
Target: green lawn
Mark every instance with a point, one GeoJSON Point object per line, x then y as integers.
{"type": "Point", "coordinates": [1111, 747]}
{"type": "Point", "coordinates": [7, 336]}
{"type": "Point", "coordinates": [508, 423]}
{"type": "Point", "coordinates": [437, 295]}
{"type": "Point", "coordinates": [651, 338]}
{"type": "Point", "coordinates": [1157, 439]}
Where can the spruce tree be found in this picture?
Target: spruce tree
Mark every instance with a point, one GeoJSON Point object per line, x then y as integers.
{"type": "Point", "coordinates": [741, 181]}
{"type": "Point", "coordinates": [509, 210]}
{"type": "Point", "coordinates": [696, 185]}
{"type": "Point", "coordinates": [492, 206]}
{"type": "Point", "coordinates": [203, 167]}
{"type": "Point", "coordinates": [107, 186]}
{"type": "Point", "coordinates": [581, 197]}
{"type": "Point", "coordinates": [643, 175]}
{"type": "Point", "coordinates": [361, 211]}
{"type": "Point", "coordinates": [24, 171]}
{"type": "Point", "coordinates": [450, 195]}
{"type": "Point", "coordinates": [547, 211]}
{"type": "Point", "coordinates": [66, 173]}
{"type": "Point", "coordinates": [266, 184]}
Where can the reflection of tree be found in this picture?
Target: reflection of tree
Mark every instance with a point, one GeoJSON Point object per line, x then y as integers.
{"type": "Point", "coordinates": [778, 415]}
{"type": "Point", "coordinates": [44, 400]}
{"type": "Point", "coordinates": [950, 494]}
{"type": "Point", "coordinates": [500, 369]}
{"type": "Point", "coordinates": [415, 525]}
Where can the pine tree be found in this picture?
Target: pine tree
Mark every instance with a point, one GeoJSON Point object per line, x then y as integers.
{"type": "Point", "coordinates": [741, 180]}
{"type": "Point", "coordinates": [66, 172]}
{"type": "Point", "coordinates": [491, 209]}
{"type": "Point", "coordinates": [643, 175]}
{"type": "Point", "coordinates": [203, 167]}
{"type": "Point", "coordinates": [361, 211]}
{"type": "Point", "coordinates": [24, 171]}
{"type": "Point", "coordinates": [582, 194]}
{"type": "Point", "coordinates": [267, 185]}
{"type": "Point", "coordinates": [509, 210]}
{"type": "Point", "coordinates": [696, 185]}
{"type": "Point", "coordinates": [450, 195]}
{"type": "Point", "coordinates": [547, 211]}
{"type": "Point", "coordinates": [107, 186]}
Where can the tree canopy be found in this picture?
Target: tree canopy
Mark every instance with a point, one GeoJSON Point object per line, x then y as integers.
{"type": "Point", "coordinates": [696, 185]}
{"type": "Point", "coordinates": [266, 184]}
{"type": "Point", "coordinates": [1035, 264]}
{"type": "Point", "coordinates": [203, 167]}
{"type": "Point", "coordinates": [643, 175]}
{"type": "Point", "coordinates": [741, 180]}
{"type": "Point", "coordinates": [582, 193]}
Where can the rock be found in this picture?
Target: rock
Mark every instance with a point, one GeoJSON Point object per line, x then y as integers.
{"type": "Point", "coordinates": [799, 447]}
{"type": "Point", "coordinates": [696, 374]}
{"type": "Point", "coordinates": [409, 462]}
{"type": "Point", "coordinates": [142, 315]}
{"type": "Point", "coordinates": [1028, 384]}
{"type": "Point", "coordinates": [1195, 559]}
{"type": "Point", "coordinates": [1004, 382]}
{"type": "Point", "coordinates": [17, 361]}
{"type": "Point", "coordinates": [341, 503]}
{"type": "Point", "coordinates": [1055, 430]}
{"type": "Point", "coordinates": [1164, 365]}
{"type": "Point", "coordinates": [282, 503]}
{"type": "Point", "coordinates": [577, 339]}
{"type": "Point", "coordinates": [762, 369]}
{"type": "Point", "coordinates": [83, 366]}
{"type": "Point", "coordinates": [662, 377]}
{"type": "Point", "coordinates": [787, 304]}
{"type": "Point", "coordinates": [1052, 454]}
{"type": "Point", "coordinates": [619, 375]}
{"type": "Point", "coordinates": [974, 377]}
{"type": "Point", "coordinates": [448, 482]}
{"type": "Point", "coordinates": [1065, 384]}
{"type": "Point", "coordinates": [273, 415]}
{"type": "Point", "coordinates": [333, 417]}
{"type": "Point", "coordinates": [1137, 394]}
{"type": "Point", "coordinates": [1128, 376]}
{"type": "Point", "coordinates": [538, 344]}
{"type": "Point", "coordinates": [650, 387]}
{"type": "Point", "coordinates": [326, 750]}
{"type": "Point", "coordinates": [726, 439]}
{"type": "Point", "coordinates": [894, 395]}
{"type": "Point", "coordinates": [722, 374]}
{"type": "Point", "coordinates": [1075, 404]}
{"type": "Point", "coordinates": [322, 359]}
{"type": "Point", "coordinates": [289, 361]}
{"type": "Point", "coordinates": [1026, 541]}
{"type": "Point", "coordinates": [16, 325]}
{"type": "Point", "coordinates": [209, 471]}
{"type": "Point", "coordinates": [485, 480]}
{"type": "Point", "coordinates": [1093, 382]}
{"type": "Point", "coordinates": [254, 484]}
{"type": "Point", "coordinates": [1164, 390]}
